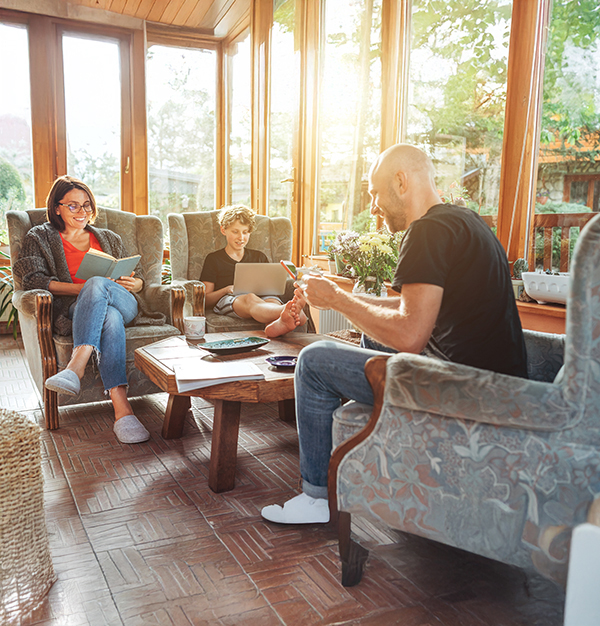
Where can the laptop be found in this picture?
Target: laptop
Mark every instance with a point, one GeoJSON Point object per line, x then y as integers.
{"type": "Point", "coordinates": [263, 279]}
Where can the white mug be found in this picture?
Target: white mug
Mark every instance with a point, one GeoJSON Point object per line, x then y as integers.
{"type": "Point", "coordinates": [194, 327]}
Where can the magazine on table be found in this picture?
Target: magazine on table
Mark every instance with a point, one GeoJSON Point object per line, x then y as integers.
{"type": "Point", "coordinates": [197, 373]}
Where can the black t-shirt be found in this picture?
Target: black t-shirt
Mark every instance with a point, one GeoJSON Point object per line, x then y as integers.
{"type": "Point", "coordinates": [219, 267]}
{"type": "Point", "coordinates": [478, 323]}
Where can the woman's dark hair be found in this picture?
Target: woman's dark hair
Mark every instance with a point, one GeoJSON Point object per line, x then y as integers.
{"type": "Point", "coordinates": [61, 187]}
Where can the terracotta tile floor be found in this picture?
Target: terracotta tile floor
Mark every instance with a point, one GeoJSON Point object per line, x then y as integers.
{"type": "Point", "coordinates": [138, 538]}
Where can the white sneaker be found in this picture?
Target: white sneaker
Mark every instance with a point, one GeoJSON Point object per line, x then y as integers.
{"type": "Point", "coordinates": [299, 510]}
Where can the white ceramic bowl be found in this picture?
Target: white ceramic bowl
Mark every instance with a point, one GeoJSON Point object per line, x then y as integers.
{"type": "Point", "coordinates": [547, 288]}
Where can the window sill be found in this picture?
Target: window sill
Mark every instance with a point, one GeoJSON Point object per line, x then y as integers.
{"type": "Point", "coordinates": [546, 318]}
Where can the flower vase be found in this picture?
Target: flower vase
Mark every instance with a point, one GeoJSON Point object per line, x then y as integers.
{"type": "Point", "coordinates": [339, 264]}
{"type": "Point", "coordinates": [369, 286]}
{"type": "Point", "coordinates": [332, 266]}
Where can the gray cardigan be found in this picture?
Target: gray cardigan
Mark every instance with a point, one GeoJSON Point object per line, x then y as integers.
{"type": "Point", "coordinates": [42, 259]}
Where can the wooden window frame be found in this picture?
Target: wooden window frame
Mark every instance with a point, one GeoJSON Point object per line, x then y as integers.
{"type": "Point", "coordinates": [241, 32]}
{"type": "Point", "coordinates": [48, 107]}
{"type": "Point", "coordinates": [176, 37]}
{"type": "Point", "coordinates": [572, 178]}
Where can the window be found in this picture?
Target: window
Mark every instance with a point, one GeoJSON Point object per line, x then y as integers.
{"type": "Point", "coordinates": [583, 190]}
{"type": "Point", "coordinates": [350, 116]}
{"type": "Point", "coordinates": [181, 96]}
{"type": "Point", "coordinates": [284, 107]}
{"type": "Point", "coordinates": [240, 130]}
{"type": "Point", "coordinates": [457, 95]}
{"type": "Point", "coordinates": [568, 180]}
{"type": "Point", "coordinates": [16, 160]}
{"type": "Point", "coordinates": [92, 90]}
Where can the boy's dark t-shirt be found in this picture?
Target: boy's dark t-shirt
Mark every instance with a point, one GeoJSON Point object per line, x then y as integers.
{"type": "Point", "coordinates": [219, 267]}
{"type": "Point", "coordinates": [478, 323]}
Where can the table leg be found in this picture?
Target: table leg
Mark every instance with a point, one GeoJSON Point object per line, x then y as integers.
{"type": "Point", "coordinates": [223, 451]}
{"type": "Point", "coordinates": [287, 410]}
{"type": "Point", "coordinates": [177, 407]}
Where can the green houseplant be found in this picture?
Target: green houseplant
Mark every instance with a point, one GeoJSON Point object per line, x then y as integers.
{"type": "Point", "coordinates": [6, 293]}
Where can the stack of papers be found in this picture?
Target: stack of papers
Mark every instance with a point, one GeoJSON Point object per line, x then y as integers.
{"type": "Point", "coordinates": [198, 373]}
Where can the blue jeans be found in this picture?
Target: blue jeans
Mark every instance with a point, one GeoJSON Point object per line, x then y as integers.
{"type": "Point", "coordinates": [99, 316]}
{"type": "Point", "coordinates": [327, 371]}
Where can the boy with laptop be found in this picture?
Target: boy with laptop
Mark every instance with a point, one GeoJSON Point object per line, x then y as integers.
{"type": "Point", "coordinates": [237, 222]}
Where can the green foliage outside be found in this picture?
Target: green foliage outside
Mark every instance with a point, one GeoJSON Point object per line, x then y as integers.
{"type": "Point", "coordinates": [12, 191]}
{"type": "Point", "coordinates": [571, 110]}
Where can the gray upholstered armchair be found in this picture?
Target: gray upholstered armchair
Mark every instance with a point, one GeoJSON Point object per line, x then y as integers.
{"type": "Point", "coordinates": [194, 235]}
{"type": "Point", "coordinates": [48, 353]}
{"type": "Point", "coordinates": [500, 466]}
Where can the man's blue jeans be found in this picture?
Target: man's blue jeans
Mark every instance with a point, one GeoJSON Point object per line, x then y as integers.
{"type": "Point", "coordinates": [327, 371]}
{"type": "Point", "coordinates": [99, 316]}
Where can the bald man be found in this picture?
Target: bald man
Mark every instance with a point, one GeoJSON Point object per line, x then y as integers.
{"type": "Point", "coordinates": [456, 303]}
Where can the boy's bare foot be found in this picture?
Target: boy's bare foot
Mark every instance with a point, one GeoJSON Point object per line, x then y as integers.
{"type": "Point", "coordinates": [291, 317]}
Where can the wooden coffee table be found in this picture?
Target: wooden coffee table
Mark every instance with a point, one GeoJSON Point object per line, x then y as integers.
{"type": "Point", "coordinates": [277, 386]}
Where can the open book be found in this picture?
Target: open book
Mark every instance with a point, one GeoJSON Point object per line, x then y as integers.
{"type": "Point", "coordinates": [198, 373]}
{"type": "Point", "coordinates": [98, 263]}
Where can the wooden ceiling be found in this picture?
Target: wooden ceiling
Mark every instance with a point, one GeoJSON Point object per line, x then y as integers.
{"type": "Point", "coordinates": [212, 17]}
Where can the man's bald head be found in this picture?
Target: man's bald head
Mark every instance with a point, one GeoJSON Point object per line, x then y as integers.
{"type": "Point", "coordinates": [405, 158]}
{"type": "Point", "coordinates": [402, 186]}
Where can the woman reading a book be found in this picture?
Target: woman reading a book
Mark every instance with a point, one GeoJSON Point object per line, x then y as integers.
{"type": "Point", "coordinates": [96, 310]}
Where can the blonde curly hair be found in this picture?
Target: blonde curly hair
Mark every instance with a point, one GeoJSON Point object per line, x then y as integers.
{"type": "Point", "coordinates": [237, 212]}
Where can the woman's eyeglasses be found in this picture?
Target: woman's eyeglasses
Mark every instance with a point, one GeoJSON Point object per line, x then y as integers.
{"type": "Point", "coordinates": [75, 207]}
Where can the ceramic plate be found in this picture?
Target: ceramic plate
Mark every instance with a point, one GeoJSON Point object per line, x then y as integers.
{"type": "Point", "coordinates": [231, 346]}
{"type": "Point", "coordinates": [286, 362]}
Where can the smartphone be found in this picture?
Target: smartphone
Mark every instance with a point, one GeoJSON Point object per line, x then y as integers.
{"type": "Point", "coordinates": [298, 273]}
{"type": "Point", "coordinates": [290, 268]}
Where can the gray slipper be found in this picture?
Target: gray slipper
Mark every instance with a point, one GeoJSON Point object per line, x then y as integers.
{"type": "Point", "coordinates": [65, 382]}
{"type": "Point", "coordinates": [129, 429]}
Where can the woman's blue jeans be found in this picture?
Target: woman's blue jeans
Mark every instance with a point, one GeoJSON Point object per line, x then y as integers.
{"type": "Point", "coordinates": [99, 316]}
{"type": "Point", "coordinates": [327, 371]}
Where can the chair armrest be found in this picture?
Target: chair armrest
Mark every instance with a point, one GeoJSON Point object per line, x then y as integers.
{"type": "Point", "coordinates": [418, 383]}
{"type": "Point", "coordinates": [194, 296]}
{"type": "Point", "coordinates": [158, 298]}
{"type": "Point", "coordinates": [26, 301]}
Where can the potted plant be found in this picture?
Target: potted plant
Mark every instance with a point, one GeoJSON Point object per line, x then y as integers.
{"type": "Point", "coordinates": [7, 310]}
{"type": "Point", "coordinates": [519, 266]}
{"type": "Point", "coordinates": [345, 248]}
{"type": "Point", "coordinates": [331, 260]}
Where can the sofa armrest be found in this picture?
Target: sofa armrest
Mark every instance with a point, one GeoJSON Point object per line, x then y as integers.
{"type": "Point", "coordinates": [418, 383]}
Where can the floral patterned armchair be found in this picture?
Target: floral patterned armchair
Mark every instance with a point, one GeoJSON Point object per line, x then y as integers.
{"type": "Point", "coordinates": [496, 465]}
{"type": "Point", "coordinates": [195, 235]}
{"type": "Point", "coordinates": [47, 353]}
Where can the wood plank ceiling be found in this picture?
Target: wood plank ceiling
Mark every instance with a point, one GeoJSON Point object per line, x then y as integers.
{"type": "Point", "coordinates": [213, 17]}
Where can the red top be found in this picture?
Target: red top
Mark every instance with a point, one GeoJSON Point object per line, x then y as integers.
{"type": "Point", "coordinates": [74, 256]}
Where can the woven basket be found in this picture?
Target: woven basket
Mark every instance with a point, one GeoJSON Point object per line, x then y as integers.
{"type": "Point", "coordinates": [26, 572]}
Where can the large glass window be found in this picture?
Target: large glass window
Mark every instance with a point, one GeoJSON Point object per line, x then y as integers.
{"type": "Point", "coordinates": [181, 96]}
{"type": "Point", "coordinates": [240, 130]}
{"type": "Point", "coordinates": [93, 114]}
{"type": "Point", "coordinates": [457, 94]}
{"type": "Point", "coordinates": [569, 159]}
{"type": "Point", "coordinates": [350, 112]}
{"type": "Point", "coordinates": [16, 162]}
{"type": "Point", "coordinates": [284, 107]}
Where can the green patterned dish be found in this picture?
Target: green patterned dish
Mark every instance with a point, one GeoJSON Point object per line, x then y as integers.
{"type": "Point", "coordinates": [232, 346]}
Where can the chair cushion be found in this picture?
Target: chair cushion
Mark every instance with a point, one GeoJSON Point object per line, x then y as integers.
{"type": "Point", "coordinates": [136, 337]}
{"type": "Point", "coordinates": [348, 420]}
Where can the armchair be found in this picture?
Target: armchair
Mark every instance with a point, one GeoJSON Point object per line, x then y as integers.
{"type": "Point", "coordinates": [48, 353]}
{"type": "Point", "coordinates": [194, 235]}
{"type": "Point", "coordinates": [496, 465]}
